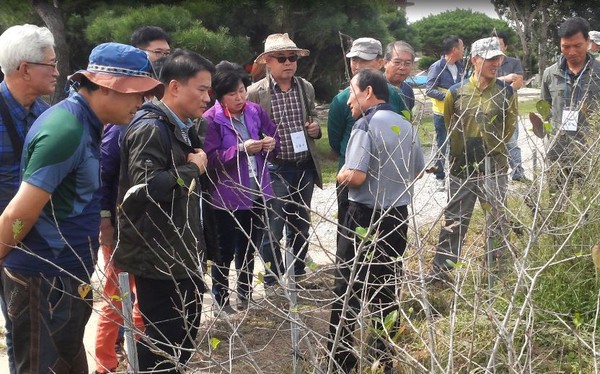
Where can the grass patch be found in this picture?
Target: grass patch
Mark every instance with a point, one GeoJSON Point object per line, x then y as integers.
{"type": "Point", "coordinates": [527, 106]}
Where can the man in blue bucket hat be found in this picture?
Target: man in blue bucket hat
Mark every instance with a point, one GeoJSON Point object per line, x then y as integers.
{"type": "Point", "coordinates": [49, 230]}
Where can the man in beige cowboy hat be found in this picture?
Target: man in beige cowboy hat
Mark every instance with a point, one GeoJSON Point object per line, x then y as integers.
{"type": "Point", "coordinates": [290, 101]}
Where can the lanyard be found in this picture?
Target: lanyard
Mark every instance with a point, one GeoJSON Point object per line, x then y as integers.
{"type": "Point", "coordinates": [577, 87]}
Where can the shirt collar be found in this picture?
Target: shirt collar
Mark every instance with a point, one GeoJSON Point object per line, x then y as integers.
{"type": "Point", "coordinates": [275, 84]}
{"type": "Point", "coordinates": [94, 121]}
{"type": "Point", "coordinates": [185, 126]}
{"type": "Point", "coordinates": [19, 110]}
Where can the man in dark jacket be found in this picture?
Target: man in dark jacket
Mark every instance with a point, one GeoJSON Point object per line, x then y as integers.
{"type": "Point", "coordinates": [159, 207]}
{"type": "Point", "coordinates": [442, 74]}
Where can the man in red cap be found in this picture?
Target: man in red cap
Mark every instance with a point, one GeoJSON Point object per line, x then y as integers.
{"type": "Point", "coordinates": [49, 230]}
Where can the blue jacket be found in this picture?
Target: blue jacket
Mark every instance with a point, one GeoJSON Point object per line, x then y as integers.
{"type": "Point", "coordinates": [439, 79]}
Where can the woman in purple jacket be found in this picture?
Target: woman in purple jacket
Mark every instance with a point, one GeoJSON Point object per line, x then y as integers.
{"type": "Point", "coordinates": [240, 137]}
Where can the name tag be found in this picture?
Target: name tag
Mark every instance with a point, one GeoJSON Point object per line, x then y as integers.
{"type": "Point", "coordinates": [569, 120]}
{"type": "Point", "coordinates": [252, 167]}
{"type": "Point", "coordinates": [299, 142]}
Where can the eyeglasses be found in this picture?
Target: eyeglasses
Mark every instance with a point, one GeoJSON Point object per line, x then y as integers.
{"type": "Point", "coordinates": [405, 63]}
{"type": "Point", "coordinates": [159, 52]}
{"type": "Point", "coordinates": [53, 65]}
{"type": "Point", "coordinates": [281, 59]}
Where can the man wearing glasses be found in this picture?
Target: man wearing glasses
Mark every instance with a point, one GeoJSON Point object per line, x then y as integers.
{"type": "Point", "coordinates": [290, 102]}
{"type": "Point", "coordinates": [28, 62]}
{"type": "Point", "coordinates": [399, 60]}
{"type": "Point", "coordinates": [153, 40]}
{"type": "Point", "coordinates": [364, 53]}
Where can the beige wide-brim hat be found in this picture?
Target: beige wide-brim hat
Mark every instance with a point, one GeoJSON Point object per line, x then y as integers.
{"type": "Point", "coordinates": [279, 43]}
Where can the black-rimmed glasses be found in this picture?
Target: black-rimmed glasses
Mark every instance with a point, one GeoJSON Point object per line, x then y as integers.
{"type": "Point", "coordinates": [159, 52]}
{"type": "Point", "coordinates": [53, 65]}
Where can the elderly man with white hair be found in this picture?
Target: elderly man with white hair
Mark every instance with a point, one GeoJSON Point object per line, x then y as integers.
{"type": "Point", "coordinates": [28, 63]}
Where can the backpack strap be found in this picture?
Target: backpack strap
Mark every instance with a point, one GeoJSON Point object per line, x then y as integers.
{"type": "Point", "coordinates": [15, 139]}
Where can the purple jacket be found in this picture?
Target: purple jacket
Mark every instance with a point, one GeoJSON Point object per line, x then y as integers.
{"type": "Point", "coordinates": [228, 167]}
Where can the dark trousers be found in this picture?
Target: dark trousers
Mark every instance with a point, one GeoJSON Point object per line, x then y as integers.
{"type": "Point", "coordinates": [342, 203]}
{"type": "Point", "coordinates": [373, 269]}
{"type": "Point", "coordinates": [290, 209]}
{"type": "Point", "coordinates": [240, 232]}
{"type": "Point", "coordinates": [47, 317]}
{"type": "Point", "coordinates": [171, 310]}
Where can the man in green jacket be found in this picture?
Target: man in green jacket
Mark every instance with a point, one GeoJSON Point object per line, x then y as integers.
{"type": "Point", "coordinates": [480, 114]}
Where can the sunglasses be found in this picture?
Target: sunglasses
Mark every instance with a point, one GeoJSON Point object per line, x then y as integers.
{"type": "Point", "coordinates": [281, 59]}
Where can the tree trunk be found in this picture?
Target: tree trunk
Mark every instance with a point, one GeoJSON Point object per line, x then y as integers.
{"type": "Point", "coordinates": [51, 14]}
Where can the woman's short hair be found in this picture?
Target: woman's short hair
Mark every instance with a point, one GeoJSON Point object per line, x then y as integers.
{"type": "Point", "coordinates": [227, 78]}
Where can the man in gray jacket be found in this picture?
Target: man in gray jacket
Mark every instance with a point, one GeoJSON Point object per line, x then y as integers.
{"type": "Point", "coordinates": [572, 87]}
{"type": "Point", "coordinates": [290, 101]}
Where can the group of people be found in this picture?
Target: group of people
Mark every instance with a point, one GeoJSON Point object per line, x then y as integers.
{"type": "Point", "coordinates": [138, 163]}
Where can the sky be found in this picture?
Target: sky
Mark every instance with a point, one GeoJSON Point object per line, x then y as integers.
{"type": "Point", "coordinates": [424, 8]}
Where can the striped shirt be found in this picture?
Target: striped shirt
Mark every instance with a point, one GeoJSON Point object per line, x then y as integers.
{"type": "Point", "coordinates": [9, 162]}
{"type": "Point", "coordinates": [286, 108]}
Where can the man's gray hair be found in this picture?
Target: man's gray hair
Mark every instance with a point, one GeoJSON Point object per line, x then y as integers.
{"type": "Point", "coordinates": [398, 46]}
{"type": "Point", "coordinates": [23, 43]}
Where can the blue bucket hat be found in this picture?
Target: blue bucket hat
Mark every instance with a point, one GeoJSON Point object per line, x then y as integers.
{"type": "Point", "coordinates": [122, 68]}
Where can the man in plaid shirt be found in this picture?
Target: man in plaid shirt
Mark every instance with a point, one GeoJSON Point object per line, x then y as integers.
{"type": "Point", "coordinates": [290, 101]}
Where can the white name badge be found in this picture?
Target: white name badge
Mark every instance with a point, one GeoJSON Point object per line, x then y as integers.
{"type": "Point", "coordinates": [569, 120]}
{"type": "Point", "coordinates": [299, 142]}
{"type": "Point", "coordinates": [252, 167]}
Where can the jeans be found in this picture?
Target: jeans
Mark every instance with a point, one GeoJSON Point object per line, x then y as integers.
{"type": "Point", "coordinates": [239, 234]}
{"type": "Point", "coordinates": [48, 315]}
{"type": "Point", "coordinates": [293, 188]}
{"type": "Point", "coordinates": [514, 155]}
{"type": "Point", "coordinates": [374, 271]}
{"type": "Point", "coordinates": [171, 310]}
{"type": "Point", "coordinates": [8, 336]}
{"type": "Point", "coordinates": [440, 137]}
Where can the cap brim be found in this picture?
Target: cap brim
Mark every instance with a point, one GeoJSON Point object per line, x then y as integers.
{"type": "Point", "coordinates": [262, 58]}
{"type": "Point", "coordinates": [490, 54]}
{"type": "Point", "coordinates": [362, 55]}
{"type": "Point", "coordinates": [123, 84]}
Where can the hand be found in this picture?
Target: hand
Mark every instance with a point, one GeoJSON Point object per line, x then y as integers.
{"type": "Point", "coordinates": [252, 146]}
{"type": "Point", "coordinates": [509, 78]}
{"type": "Point", "coordinates": [268, 144]}
{"type": "Point", "coordinates": [312, 128]}
{"type": "Point", "coordinates": [107, 231]}
{"type": "Point", "coordinates": [199, 158]}
{"type": "Point", "coordinates": [517, 82]}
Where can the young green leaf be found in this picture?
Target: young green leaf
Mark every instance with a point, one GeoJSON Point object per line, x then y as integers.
{"type": "Point", "coordinates": [407, 114]}
{"type": "Point", "coordinates": [17, 227]}
{"type": "Point", "coordinates": [544, 108]}
{"type": "Point", "coordinates": [214, 343]}
{"type": "Point", "coordinates": [180, 182]}
{"type": "Point", "coordinates": [396, 129]}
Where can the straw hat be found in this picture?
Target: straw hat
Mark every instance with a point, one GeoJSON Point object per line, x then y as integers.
{"type": "Point", "coordinates": [279, 43]}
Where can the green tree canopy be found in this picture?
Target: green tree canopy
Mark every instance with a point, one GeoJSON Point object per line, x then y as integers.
{"type": "Point", "coordinates": [466, 24]}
